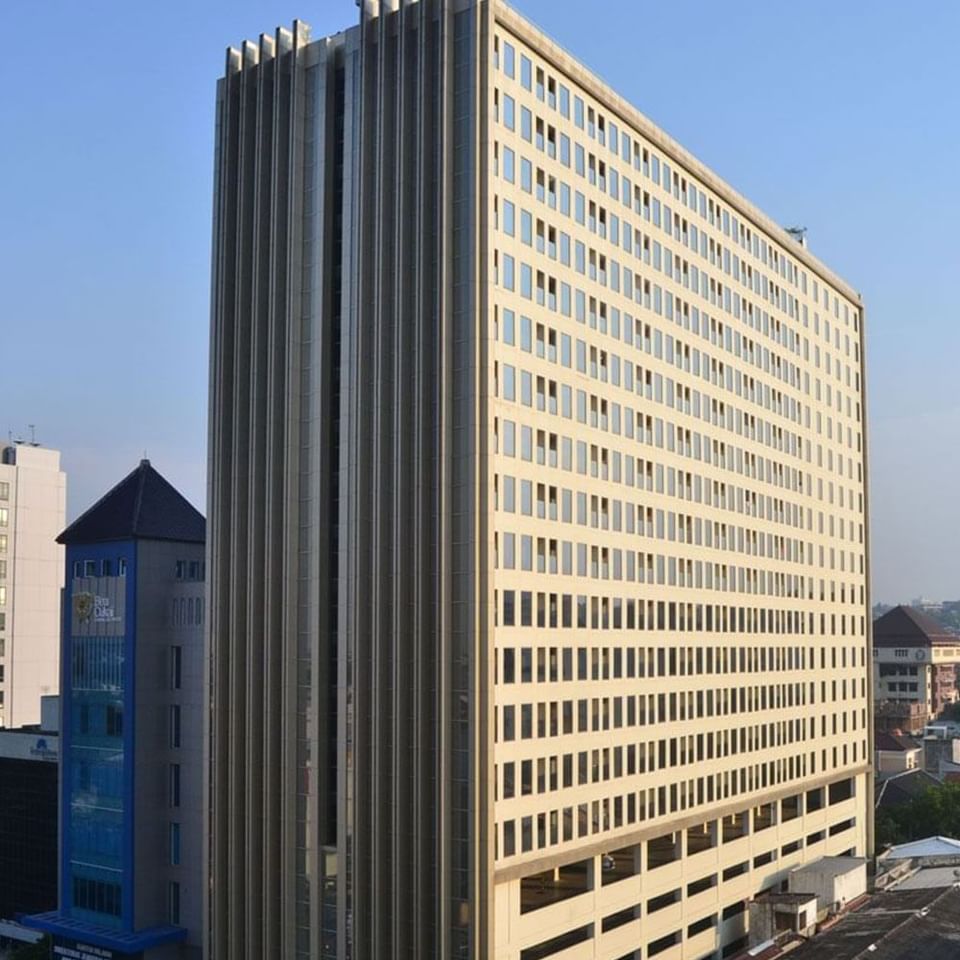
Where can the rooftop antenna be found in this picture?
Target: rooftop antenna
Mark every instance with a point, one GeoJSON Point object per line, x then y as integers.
{"type": "Point", "coordinates": [33, 435]}
{"type": "Point", "coordinates": [799, 234]}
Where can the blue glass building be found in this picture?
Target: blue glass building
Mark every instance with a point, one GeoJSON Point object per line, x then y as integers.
{"type": "Point", "coordinates": [132, 708]}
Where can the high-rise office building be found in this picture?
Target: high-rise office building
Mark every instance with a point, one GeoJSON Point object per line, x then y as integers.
{"type": "Point", "coordinates": [33, 499]}
{"type": "Point", "coordinates": [132, 720]}
{"type": "Point", "coordinates": [537, 501]}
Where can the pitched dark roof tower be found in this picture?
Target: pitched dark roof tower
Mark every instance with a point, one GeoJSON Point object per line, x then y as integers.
{"type": "Point", "coordinates": [142, 506]}
{"type": "Point", "coordinates": [908, 627]}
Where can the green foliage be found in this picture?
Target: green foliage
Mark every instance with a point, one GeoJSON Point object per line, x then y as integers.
{"type": "Point", "coordinates": [935, 812]}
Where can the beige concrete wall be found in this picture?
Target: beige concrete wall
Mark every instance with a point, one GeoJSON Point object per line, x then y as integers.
{"type": "Point", "coordinates": [36, 507]}
{"type": "Point", "coordinates": [896, 761]}
{"type": "Point", "coordinates": [777, 402]}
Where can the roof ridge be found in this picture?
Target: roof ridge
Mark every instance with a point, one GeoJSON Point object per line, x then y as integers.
{"type": "Point", "coordinates": [97, 503]}
{"type": "Point", "coordinates": [144, 505]}
{"type": "Point", "coordinates": [138, 501]}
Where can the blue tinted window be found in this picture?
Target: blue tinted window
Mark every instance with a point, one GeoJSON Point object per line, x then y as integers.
{"type": "Point", "coordinates": [508, 59]}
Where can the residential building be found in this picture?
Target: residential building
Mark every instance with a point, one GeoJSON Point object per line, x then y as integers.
{"type": "Point", "coordinates": [537, 506]}
{"type": "Point", "coordinates": [131, 799]}
{"type": "Point", "coordinates": [28, 824]}
{"type": "Point", "coordinates": [33, 496]}
{"type": "Point", "coordinates": [900, 716]}
{"type": "Point", "coordinates": [895, 753]}
{"type": "Point", "coordinates": [941, 753]}
{"type": "Point", "coordinates": [814, 892]}
{"type": "Point", "coordinates": [916, 917]}
{"type": "Point", "coordinates": [915, 662]}
{"type": "Point", "coordinates": [899, 788]}
{"type": "Point", "coordinates": [931, 851]}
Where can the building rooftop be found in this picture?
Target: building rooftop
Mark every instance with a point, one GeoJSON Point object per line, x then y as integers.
{"type": "Point", "coordinates": [790, 898]}
{"type": "Point", "coordinates": [909, 627]}
{"type": "Point", "coordinates": [142, 506]}
{"type": "Point", "coordinates": [903, 787]}
{"type": "Point", "coordinates": [900, 924]}
{"type": "Point", "coordinates": [893, 741]}
{"type": "Point", "coordinates": [931, 878]}
{"type": "Point", "coordinates": [835, 866]}
{"type": "Point", "coordinates": [928, 847]}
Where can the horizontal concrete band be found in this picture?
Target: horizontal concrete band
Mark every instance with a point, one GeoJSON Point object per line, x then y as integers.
{"type": "Point", "coordinates": [613, 841]}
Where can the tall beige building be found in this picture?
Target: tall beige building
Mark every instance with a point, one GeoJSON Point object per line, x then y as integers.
{"type": "Point", "coordinates": [538, 514]}
{"type": "Point", "coordinates": [33, 493]}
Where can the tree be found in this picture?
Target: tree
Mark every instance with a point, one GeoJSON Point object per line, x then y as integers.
{"type": "Point", "coordinates": [935, 812]}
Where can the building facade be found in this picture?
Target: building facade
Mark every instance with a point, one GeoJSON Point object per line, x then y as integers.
{"type": "Point", "coordinates": [28, 827]}
{"type": "Point", "coordinates": [33, 496]}
{"type": "Point", "coordinates": [131, 800]}
{"type": "Point", "coordinates": [915, 662]}
{"type": "Point", "coordinates": [537, 506]}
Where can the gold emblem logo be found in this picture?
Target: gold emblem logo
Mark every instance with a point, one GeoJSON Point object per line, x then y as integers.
{"type": "Point", "coordinates": [83, 606]}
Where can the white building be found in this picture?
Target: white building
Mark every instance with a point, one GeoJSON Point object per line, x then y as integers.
{"type": "Point", "coordinates": [33, 491]}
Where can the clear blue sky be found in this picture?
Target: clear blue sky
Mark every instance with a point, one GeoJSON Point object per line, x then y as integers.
{"type": "Point", "coordinates": [842, 116]}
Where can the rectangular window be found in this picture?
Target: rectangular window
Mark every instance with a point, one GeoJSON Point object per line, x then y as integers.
{"type": "Point", "coordinates": [526, 281]}
{"type": "Point", "coordinates": [175, 725]}
{"type": "Point", "coordinates": [508, 218]}
{"type": "Point", "coordinates": [509, 120]}
{"type": "Point", "coordinates": [4, 491]}
{"type": "Point", "coordinates": [525, 72]}
{"type": "Point", "coordinates": [507, 280]}
{"type": "Point", "coordinates": [176, 667]}
{"type": "Point", "coordinates": [508, 59]}
{"type": "Point", "coordinates": [526, 227]}
{"type": "Point", "coordinates": [114, 721]}
{"type": "Point", "coordinates": [173, 902]}
{"type": "Point", "coordinates": [509, 173]}
{"type": "Point", "coordinates": [509, 391]}
{"type": "Point", "coordinates": [174, 844]}
{"type": "Point", "coordinates": [174, 785]}
{"type": "Point", "coordinates": [4, 517]}
{"type": "Point", "coordinates": [508, 334]}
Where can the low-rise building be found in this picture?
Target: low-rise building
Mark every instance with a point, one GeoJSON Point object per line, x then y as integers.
{"type": "Point", "coordinates": [941, 756]}
{"type": "Point", "coordinates": [900, 717]}
{"type": "Point", "coordinates": [900, 788]}
{"type": "Point", "coordinates": [28, 815]}
{"type": "Point", "coordinates": [915, 662]}
{"type": "Point", "coordinates": [908, 922]}
{"type": "Point", "coordinates": [895, 753]}
{"type": "Point", "coordinates": [836, 882]}
{"type": "Point", "coordinates": [930, 851]}
{"type": "Point", "coordinates": [913, 915]}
